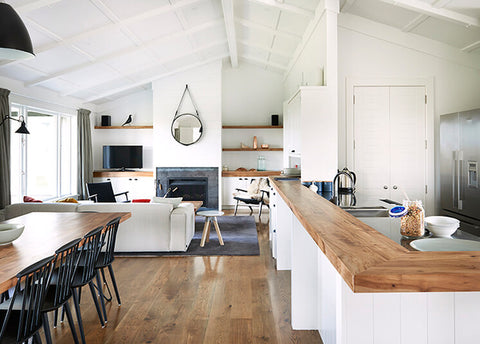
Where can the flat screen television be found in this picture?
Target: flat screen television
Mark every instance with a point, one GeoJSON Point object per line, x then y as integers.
{"type": "Point", "coordinates": [122, 157]}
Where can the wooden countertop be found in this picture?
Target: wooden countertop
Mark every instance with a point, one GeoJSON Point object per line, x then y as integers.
{"type": "Point", "coordinates": [250, 173]}
{"type": "Point", "coordinates": [369, 261]}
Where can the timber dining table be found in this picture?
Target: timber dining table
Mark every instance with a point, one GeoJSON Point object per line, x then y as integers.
{"type": "Point", "coordinates": [44, 233]}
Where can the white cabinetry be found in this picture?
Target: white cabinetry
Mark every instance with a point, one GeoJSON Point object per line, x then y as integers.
{"type": "Point", "coordinates": [390, 142]}
{"type": "Point", "coordinates": [310, 133]}
{"type": "Point", "coordinates": [137, 187]}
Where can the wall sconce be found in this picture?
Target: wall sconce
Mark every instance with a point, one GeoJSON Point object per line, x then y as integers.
{"type": "Point", "coordinates": [15, 42]}
{"type": "Point", "coordinates": [22, 129]}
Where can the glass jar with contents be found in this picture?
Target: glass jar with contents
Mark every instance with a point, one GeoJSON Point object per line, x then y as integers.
{"type": "Point", "coordinates": [412, 223]}
{"type": "Point", "coordinates": [261, 163]}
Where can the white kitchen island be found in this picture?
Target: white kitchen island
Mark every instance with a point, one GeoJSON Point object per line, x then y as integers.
{"type": "Point", "coordinates": [355, 285]}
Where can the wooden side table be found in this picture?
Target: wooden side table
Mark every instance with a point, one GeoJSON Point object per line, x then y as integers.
{"type": "Point", "coordinates": [210, 216]}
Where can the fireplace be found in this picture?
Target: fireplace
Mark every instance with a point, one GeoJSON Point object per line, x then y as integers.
{"type": "Point", "coordinates": [191, 189]}
{"type": "Point", "coordinates": [191, 183]}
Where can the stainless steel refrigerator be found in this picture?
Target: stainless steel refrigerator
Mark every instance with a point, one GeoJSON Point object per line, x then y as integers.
{"type": "Point", "coordinates": [459, 164]}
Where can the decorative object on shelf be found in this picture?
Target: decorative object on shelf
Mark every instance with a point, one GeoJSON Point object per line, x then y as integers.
{"type": "Point", "coordinates": [224, 168]}
{"type": "Point", "coordinates": [255, 143]}
{"type": "Point", "coordinates": [186, 128]}
{"type": "Point", "coordinates": [243, 146]}
{"type": "Point", "coordinates": [261, 163]}
{"type": "Point", "coordinates": [23, 128]}
{"type": "Point", "coordinates": [274, 120]}
{"type": "Point", "coordinates": [265, 146]}
{"type": "Point", "coordinates": [15, 42]}
{"type": "Point", "coordinates": [106, 120]}
{"type": "Point", "coordinates": [128, 121]}
{"type": "Point", "coordinates": [241, 169]}
{"type": "Point", "coordinates": [252, 170]}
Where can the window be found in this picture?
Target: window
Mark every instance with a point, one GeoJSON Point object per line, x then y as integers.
{"type": "Point", "coordinates": [43, 163]}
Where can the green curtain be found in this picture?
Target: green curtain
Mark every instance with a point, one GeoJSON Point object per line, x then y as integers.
{"type": "Point", "coordinates": [5, 198]}
{"type": "Point", "coordinates": [85, 157]}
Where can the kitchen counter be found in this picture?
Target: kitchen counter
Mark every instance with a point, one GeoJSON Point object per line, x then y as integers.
{"type": "Point", "coordinates": [367, 260]}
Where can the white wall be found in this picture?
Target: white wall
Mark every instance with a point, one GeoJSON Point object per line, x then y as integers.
{"type": "Point", "coordinates": [250, 95]}
{"type": "Point", "coordinates": [205, 84]}
{"type": "Point", "coordinates": [371, 50]}
{"type": "Point", "coordinates": [140, 105]}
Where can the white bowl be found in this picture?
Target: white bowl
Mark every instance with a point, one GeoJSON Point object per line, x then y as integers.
{"type": "Point", "coordinates": [10, 232]}
{"type": "Point", "coordinates": [442, 226]}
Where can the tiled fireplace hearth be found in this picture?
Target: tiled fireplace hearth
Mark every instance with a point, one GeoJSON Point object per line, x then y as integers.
{"type": "Point", "coordinates": [191, 183]}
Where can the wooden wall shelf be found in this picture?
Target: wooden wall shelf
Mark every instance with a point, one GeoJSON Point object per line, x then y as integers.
{"type": "Point", "coordinates": [251, 149]}
{"type": "Point", "coordinates": [250, 173]}
{"type": "Point", "coordinates": [252, 127]}
{"type": "Point", "coordinates": [126, 127]}
{"type": "Point", "coordinates": [110, 174]}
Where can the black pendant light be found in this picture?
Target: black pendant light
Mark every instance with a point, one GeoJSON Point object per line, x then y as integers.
{"type": "Point", "coordinates": [15, 42]}
{"type": "Point", "coordinates": [23, 129]}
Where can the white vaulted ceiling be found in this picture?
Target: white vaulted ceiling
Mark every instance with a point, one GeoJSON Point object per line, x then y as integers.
{"type": "Point", "coordinates": [98, 50]}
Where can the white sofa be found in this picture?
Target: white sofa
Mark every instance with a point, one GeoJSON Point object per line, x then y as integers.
{"type": "Point", "coordinates": [153, 227]}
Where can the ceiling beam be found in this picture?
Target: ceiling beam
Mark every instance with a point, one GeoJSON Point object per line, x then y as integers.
{"type": "Point", "coordinates": [268, 29]}
{"type": "Point", "coordinates": [153, 78]}
{"type": "Point", "coordinates": [123, 52]}
{"type": "Point", "coordinates": [131, 20]}
{"type": "Point", "coordinates": [432, 11]}
{"type": "Point", "coordinates": [422, 17]}
{"type": "Point", "coordinates": [229, 18]}
{"type": "Point", "coordinates": [471, 47]}
{"type": "Point", "coordinates": [286, 7]}
{"type": "Point", "coordinates": [153, 65]}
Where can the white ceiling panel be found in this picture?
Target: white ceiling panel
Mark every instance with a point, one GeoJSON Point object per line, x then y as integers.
{"type": "Point", "coordinates": [84, 77]}
{"type": "Point", "coordinates": [181, 62]}
{"type": "Point", "coordinates": [133, 62]}
{"type": "Point", "coordinates": [105, 42]}
{"type": "Point", "coordinates": [217, 50]}
{"type": "Point", "coordinates": [58, 85]}
{"type": "Point", "coordinates": [383, 13]}
{"type": "Point", "coordinates": [257, 13]}
{"type": "Point", "coordinates": [285, 44]}
{"type": "Point", "coordinates": [215, 33]}
{"type": "Point", "coordinates": [277, 59]}
{"type": "Point", "coordinates": [172, 48]}
{"type": "Point", "coordinates": [155, 27]}
{"type": "Point", "coordinates": [305, 4]}
{"type": "Point", "coordinates": [293, 23]}
{"type": "Point", "coordinates": [447, 32]}
{"type": "Point", "coordinates": [255, 53]}
{"type": "Point", "coordinates": [468, 7]}
{"type": "Point", "coordinates": [202, 12]}
{"type": "Point", "coordinates": [255, 36]}
{"type": "Point", "coordinates": [53, 60]}
{"type": "Point", "coordinates": [38, 37]}
{"type": "Point", "coordinates": [67, 18]}
{"type": "Point", "coordinates": [20, 73]}
{"type": "Point", "coordinates": [130, 8]}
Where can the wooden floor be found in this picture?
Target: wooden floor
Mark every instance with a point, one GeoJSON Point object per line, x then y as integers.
{"type": "Point", "coordinates": [196, 300]}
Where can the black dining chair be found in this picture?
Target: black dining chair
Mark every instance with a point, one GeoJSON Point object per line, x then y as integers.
{"type": "Point", "coordinates": [85, 273]}
{"type": "Point", "coordinates": [21, 314]}
{"type": "Point", "coordinates": [60, 290]}
{"type": "Point", "coordinates": [105, 260]}
{"type": "Point", "coordinates": [103, 192]}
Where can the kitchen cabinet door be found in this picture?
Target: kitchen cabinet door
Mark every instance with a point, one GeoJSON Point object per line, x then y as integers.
{"type": "Point", "coordinates": [230, 184]}
{"type": "Point", "coordinates": [390, 142]}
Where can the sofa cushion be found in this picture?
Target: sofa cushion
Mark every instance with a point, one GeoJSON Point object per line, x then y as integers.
{"type": "Point", "coordinates": [175, 201]}
{"type": "Point", "coordinates": [28, 199]}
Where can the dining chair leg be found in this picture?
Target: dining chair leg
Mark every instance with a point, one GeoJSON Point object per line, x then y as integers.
{"type": "Point", "coordinates": [112, 276]}
{"type": "Point", "coordinates": [95, 300]}
{"type": "Point", "coordinates": [55, 318]}
{"type": "Point", "coordinates": [104, 279]}
{"type": "Point", "coordinates": [71, 323]}
{"type": "Point", "coordinates": [79, 316]}
{"type": "Point", "coordinates": [236, 207]}
{"type": "Point", "coordinates": [251, 210]}
{"type": "Point", "coordinates": [260, 212]}
{"type": "Point", "coordinates": [37, 338]}
{"type": "Point", "coordinates": [46, 328]}
{"type": "Point", "coordinates": [100, 292]}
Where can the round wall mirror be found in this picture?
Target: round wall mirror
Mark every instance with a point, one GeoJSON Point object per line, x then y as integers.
{"type": "Point", "coordinates": [187, 128]}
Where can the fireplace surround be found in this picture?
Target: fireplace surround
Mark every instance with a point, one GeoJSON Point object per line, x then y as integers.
{"type": "Point", "coordinates": [192, 183]}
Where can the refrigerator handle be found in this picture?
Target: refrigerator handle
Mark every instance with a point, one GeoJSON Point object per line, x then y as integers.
{"type": "Point", "coordinates": [454, 180]}
{"type": "Point", "coordinates": [460, 180]}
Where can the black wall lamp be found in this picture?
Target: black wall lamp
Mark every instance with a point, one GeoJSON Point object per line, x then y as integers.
{"type": "Point", "coordinates": [23, 128]}
{"type": "Point", "coordinates": [15, 42]}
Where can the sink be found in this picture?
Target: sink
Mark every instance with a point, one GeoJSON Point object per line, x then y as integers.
{"type": "Point", "coordinates": [367, 211]}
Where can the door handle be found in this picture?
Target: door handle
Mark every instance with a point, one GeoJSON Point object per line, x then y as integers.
{"type": "Point", "coordinates": [385, 187]}
{"type": "Point", "coordinates": [460, 180]}
{"type": "Point", "coordinates": [395, 187]}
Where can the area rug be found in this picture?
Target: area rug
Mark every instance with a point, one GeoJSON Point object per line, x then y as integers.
{"type": "Point", "coordinates": [239, 235]}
